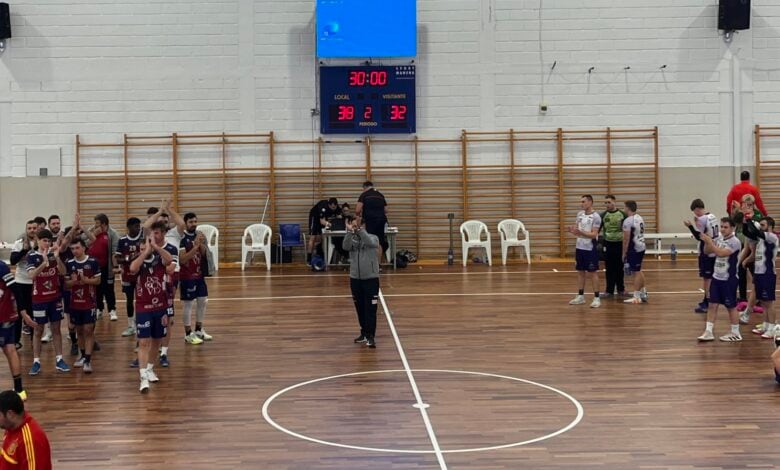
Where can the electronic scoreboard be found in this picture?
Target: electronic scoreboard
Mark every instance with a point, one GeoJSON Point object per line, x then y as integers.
{"type": "Point", "coordinates": [367, 100]}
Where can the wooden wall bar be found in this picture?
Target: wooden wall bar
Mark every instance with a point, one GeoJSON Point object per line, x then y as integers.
{"type": "Point", "coordinates": [535, 176]}
{"type": "Point", "coordinates": [767, 148]}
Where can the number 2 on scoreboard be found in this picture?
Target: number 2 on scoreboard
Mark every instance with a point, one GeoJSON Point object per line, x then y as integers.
{"type": "Point", "coordinates": [368, 113]}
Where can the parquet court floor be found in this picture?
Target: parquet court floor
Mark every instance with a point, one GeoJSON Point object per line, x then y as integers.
{"type": "Point", "coordinates": [497, 356]}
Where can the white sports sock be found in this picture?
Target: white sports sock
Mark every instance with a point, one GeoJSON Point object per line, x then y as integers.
{"type": "Point", "coordinates": [130, 322]}
{"type": "Point", "coordinates": [149, 367]}
{"type": "Point", "coordinates": [164, 351]}
{"type": "Point", "coordinates": [58, 358]}
{"type": "Point", "coordinates": [735, 329]}
{"type": "Point", "coordinates": [187, 304]}
{"type": "Point", "coordinates": [200, 313]}
{"type": "Point", "coordinates": [709, 326]}
{"type": "Point", "coordinates": [37, 359]}
{"type": "Point", "coordinates": [143, 373]}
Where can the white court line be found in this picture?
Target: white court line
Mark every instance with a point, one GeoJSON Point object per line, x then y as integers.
{"type": "Point", "coordinates": [481, 273]}
{"type": "Point", "coordinates": [423, 407]}
{"type": "Point", "coordinates": [474, 294]}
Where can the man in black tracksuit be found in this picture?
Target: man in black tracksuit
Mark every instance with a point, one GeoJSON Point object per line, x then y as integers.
{"type": "Point", "coordinates": [363, 277]}
{"type": "Point", "coordinates": [372, 207]}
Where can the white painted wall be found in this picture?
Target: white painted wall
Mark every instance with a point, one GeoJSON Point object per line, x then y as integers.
{"type": "Point", "coordinates": [102, 68]}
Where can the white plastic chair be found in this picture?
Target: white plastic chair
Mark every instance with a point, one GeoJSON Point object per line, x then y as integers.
{"type": "Point", "coordinates": [508, 230]}
{"type": "Point", "coordinates": [260, 241]}
{"type": "Point", "coordinates": [471, 237]}
{"type": "Point", "coordinates": [212, 239]}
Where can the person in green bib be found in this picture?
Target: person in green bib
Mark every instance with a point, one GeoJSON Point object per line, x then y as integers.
{"type": "Point", "coordinates": [612, 230]}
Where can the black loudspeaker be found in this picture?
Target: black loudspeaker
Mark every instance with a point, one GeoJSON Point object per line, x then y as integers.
{"type": "Point", "coordinates": [5, 21]}
{"type": "Point", "coordinates": [734, 15]}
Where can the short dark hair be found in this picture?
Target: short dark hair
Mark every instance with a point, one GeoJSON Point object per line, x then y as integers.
{"type": "Point", "coordinates": [160, 225]}
{"type": "Point", "coordinates": [102, 218]}
{"type": "Point", "coordinates": [39, 220]}
{"type": "Point", "coordinates": [132, 221]}
{"type": "Point", "coordinates": [67, 230]}
{"type": "Point", "coordinates": [53, 216]}
{"type": "Point", "coordinates": [79, 241]}
{"type": "Point", "coordinates": [744, 176]}
{"type": "Point", "coordinates": [31, 222]}
{"type": "Point", "coordinates": [151, 210]}
{"type": "Point", "coordinates": [610, 196]}
{"type": "Point", "coordinates": [189, 215]}
{"type": "Point", "coordinates": [728, 220]}
{"type": "Point", "coordinates": [11, 401]}
{"type": "Point", "coordinates": [770, 222]}
{"type": "Point", "coordinates": [367, 184]}
{"type": "Point", "coordinates": [697, 204]}
{"type": "Point", "coordinates": [631, 205]}
{"type": "Point", "coordinates": [333, 201]}
{"type": "Point", "coordinates": [588, 197]}
{"type": "Point", "coordinates": [346, 204]}
{"type": "Point", "coordinates": [45, 234]}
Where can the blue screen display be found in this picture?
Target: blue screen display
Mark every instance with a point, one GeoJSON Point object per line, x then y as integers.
{"type": "Point", "coordinates": [366, 28]}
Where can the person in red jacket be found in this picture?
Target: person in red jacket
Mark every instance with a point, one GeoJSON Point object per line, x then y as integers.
{"type": "Point", "coordinates": [25, 445]}
{"type": "Point", "coordinates": [742, 188]}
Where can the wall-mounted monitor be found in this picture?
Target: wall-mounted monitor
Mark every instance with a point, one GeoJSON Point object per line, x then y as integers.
{"type": "Point", "coordinates": [366, 28]}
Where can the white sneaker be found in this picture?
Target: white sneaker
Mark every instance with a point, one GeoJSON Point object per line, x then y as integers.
{"type": "Point", "coordinates": [152, 376]}
{"type": "Point", "coordinates": [144, 385]}
{"type": "Point", "coordinates": [643, 296]}
{"type": "Point", "coordinates": [203, 335]}
{"type": "Point", "coordinates": [112, 315]}
{"type": "Point", "coordinates": [79, 363]}
{"type": "Point", "coordinates": [46, 335]}
{"type": "Point", "coordinates": [758, 330]}
{"type": "Point", "coordinates": [192, 339]}
{"type": "Point", "coordinates": [731, 338]}
{"type": "Point", "coordinates": [129, 331]}
{"type": "Point", "coordinates": [744, 317]}
{"type": "Point", "coordinates": [99, 315]}
{"type": "Point", "coordinates": [579, 300]}
{"type": "Point", "coordinates": [596, 303]}
{"type": "Point", "coordinates": [706, 336]}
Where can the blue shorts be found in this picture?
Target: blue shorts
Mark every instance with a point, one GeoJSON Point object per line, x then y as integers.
{"type": "Point", "coordinates": [66, 301]}
{"type": "Point", "coordinates": [587, 260]}
{"type": "Point", "coordinates": [634, 260]}
{"type": "Point", "coordinates": [706, 266]}
{"type": "Point", "coordinates": [47, 312]}
{"type": "Point", "coordinates": [724, 292]}
{"type": "Point", "coordinates": [7, 334]}
{"type": "Point", "coordinates": [765, 285]}
{"type": "Point", "coordinates": [193, 289]}
{"type": "Point", "coordinates": [82, 317]}
{"type": "Point", "coordinates": [149, 324]}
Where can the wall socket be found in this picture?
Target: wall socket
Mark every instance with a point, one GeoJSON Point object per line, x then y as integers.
{"type": "Point", "coordinates": [542, 108]}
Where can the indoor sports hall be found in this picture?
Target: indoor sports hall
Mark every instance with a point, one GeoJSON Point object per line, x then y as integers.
{"type": "Point", "coordinates": [418, 234]}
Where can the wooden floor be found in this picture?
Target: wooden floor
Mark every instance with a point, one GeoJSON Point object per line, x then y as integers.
{"type": "Point", "coordinates": [652, 396]}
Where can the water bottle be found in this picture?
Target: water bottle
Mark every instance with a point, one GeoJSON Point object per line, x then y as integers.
{"type": "Point", "coordinates": [674, 252]}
